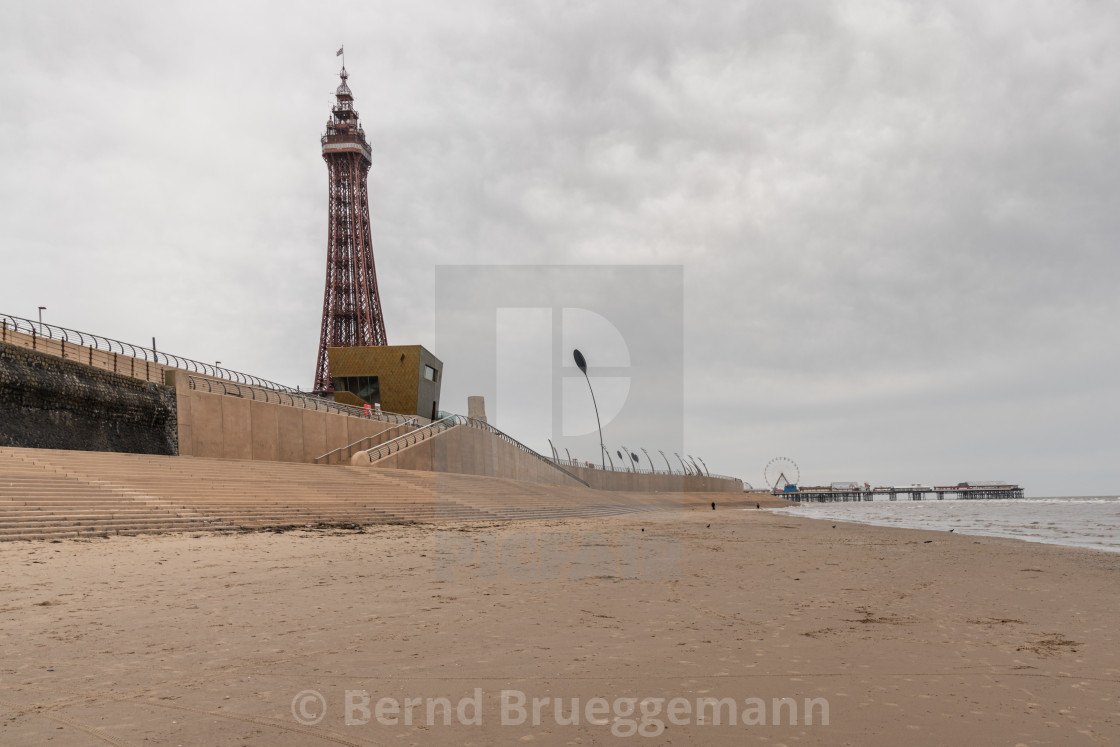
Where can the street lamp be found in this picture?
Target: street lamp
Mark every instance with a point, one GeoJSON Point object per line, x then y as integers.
{"type": "Point", "coordinates": [41, 310]}
{"type": "Point", "coordinates": [582, 363]}
{"type": "Point", "coordinates": [651, 467]}
{"type": "Point", "coordinates": [684, 466]}
{"type": "Point", "coordinates": [667, 464]}
{"type": "Point", "coordinates": [694, 464]}
{"type": "Point", "coordinates": [629, 457]}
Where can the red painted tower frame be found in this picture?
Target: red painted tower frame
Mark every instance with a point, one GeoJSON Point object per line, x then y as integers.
{"type": "Point", "coordinates": [351, 302]}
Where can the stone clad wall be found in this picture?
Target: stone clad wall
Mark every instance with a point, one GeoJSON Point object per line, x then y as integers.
{"type": "Point", "coordinates": [47, 402]}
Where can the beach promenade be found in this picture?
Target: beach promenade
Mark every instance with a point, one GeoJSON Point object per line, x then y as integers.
{"type": "Point", "coordinates": [909, 637]}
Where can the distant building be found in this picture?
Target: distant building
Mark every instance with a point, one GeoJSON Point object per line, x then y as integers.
{"type": "Point", "coordinates": [397, 378]}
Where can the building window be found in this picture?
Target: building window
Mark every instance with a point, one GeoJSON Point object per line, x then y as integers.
{"type": "Point", "coordinates": [366, 388]}
{"type": "Point", "coordinates": [430, 373]}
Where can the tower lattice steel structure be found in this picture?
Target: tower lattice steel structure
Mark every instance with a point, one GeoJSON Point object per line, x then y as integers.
{"type": "Point", "coordinates": [351, 302]}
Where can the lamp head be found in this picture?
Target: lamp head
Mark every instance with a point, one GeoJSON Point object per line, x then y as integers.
{"type": "Point", "coordinates": [580, 361]}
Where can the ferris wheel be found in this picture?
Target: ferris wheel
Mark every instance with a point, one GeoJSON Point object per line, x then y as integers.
{"type": "Point", "coordinates": [781, 471]}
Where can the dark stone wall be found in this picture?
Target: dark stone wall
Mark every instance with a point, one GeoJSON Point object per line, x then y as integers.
{"type": "Point", "coordinates": [51, 403]}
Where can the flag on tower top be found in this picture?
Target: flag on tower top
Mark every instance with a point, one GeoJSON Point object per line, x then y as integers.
{"type": "Point", "coordinates": [336, 54]}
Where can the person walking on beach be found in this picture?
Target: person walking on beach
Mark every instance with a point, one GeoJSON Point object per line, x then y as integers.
{"type": "Point", "coordinates": [713, 505]}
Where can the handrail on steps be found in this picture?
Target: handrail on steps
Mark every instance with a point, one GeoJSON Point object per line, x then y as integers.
{"type": "Point", "coordinates": [348, 447]}
{"type": "Point", "coordinates": [422, 434]}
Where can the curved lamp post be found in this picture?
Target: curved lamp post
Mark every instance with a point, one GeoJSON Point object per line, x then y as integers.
{"type": "Point", "coordinates": [582, 363]}
{"type": "Point", "coordinates": [692, 459]}
{"type": "Point", "coordinates": [629, 457]}
{"type": "Point", "coordinates": [651, 467]}
{"type": "Point", "coordinates": [705, 467]}
{"type": "Point", "coordinates": [684, 466]}
{"type": "Point", "coordinates": [667, 463]}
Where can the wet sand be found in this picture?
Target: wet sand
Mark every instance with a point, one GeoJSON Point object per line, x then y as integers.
{"type": "Point", "coordinates": [911, 637]}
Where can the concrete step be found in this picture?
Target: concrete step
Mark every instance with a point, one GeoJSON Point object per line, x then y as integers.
{"type": "Point", "coordinates": [78, 493]}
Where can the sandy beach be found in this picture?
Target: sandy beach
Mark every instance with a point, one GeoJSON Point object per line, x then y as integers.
{"type": "Point", "coordinates": [909, 636]}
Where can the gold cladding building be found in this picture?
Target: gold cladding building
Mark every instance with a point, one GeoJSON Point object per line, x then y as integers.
{"type": "Point", "coordinates": [400, 378]}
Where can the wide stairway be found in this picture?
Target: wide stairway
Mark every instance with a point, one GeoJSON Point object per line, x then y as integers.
{"type": "Point", "coordinates": [57, 494]}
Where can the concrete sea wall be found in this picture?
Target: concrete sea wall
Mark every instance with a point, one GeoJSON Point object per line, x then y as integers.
{"type": "Point", "coordinates": [472, 451]}
{"type": "Point", "coordinates": [225, 427]}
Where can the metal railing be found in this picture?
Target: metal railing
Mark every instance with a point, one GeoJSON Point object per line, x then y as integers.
{"type": "Point", "coordinates": [636, 469]}
{"type": "Point", "coordinates": [482, 425]}
{"type": "Point", "coordinates": [292, 399]}
{"type": "Point", "coordinates": [109, 345]}
{"type": "Point", "coordinates": [450, 421]}
{"type": "Point", "coordinates": [414, 437]}
{"type": "Point", "coordinates": [349, 449]}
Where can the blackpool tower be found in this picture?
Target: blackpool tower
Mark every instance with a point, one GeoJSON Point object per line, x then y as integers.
{"type": "Point", "coordinates": [351, 303]}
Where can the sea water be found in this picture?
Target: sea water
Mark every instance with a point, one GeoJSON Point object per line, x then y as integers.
{"type": "Point", "coordinates": [1092, 522]}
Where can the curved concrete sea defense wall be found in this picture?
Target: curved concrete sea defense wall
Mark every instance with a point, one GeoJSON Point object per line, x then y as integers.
{"type": "Point", "coordinates": [224, 427]}
{"type": "Point", "coordinates": [472, 451]}
{"type": "Point", "coordinates": [211, 425]}
{"type": "Point", "coordinates": [639, 482]}
{"type": "Point", "coordinates": [220, 426]}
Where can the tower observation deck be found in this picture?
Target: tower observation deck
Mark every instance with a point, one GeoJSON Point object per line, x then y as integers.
{"type": "Point", "coordinates": [351, 302]}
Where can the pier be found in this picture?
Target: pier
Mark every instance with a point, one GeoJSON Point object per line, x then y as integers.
{"type": "Point", "coordinates": [964, 492]}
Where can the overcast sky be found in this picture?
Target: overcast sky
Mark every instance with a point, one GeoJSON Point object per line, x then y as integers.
{"type": "Point", "coordinates": [897, 221]}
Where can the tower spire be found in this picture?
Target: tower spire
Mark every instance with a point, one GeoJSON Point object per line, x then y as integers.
{"type": "Point", "coordinates": [351, 302]}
